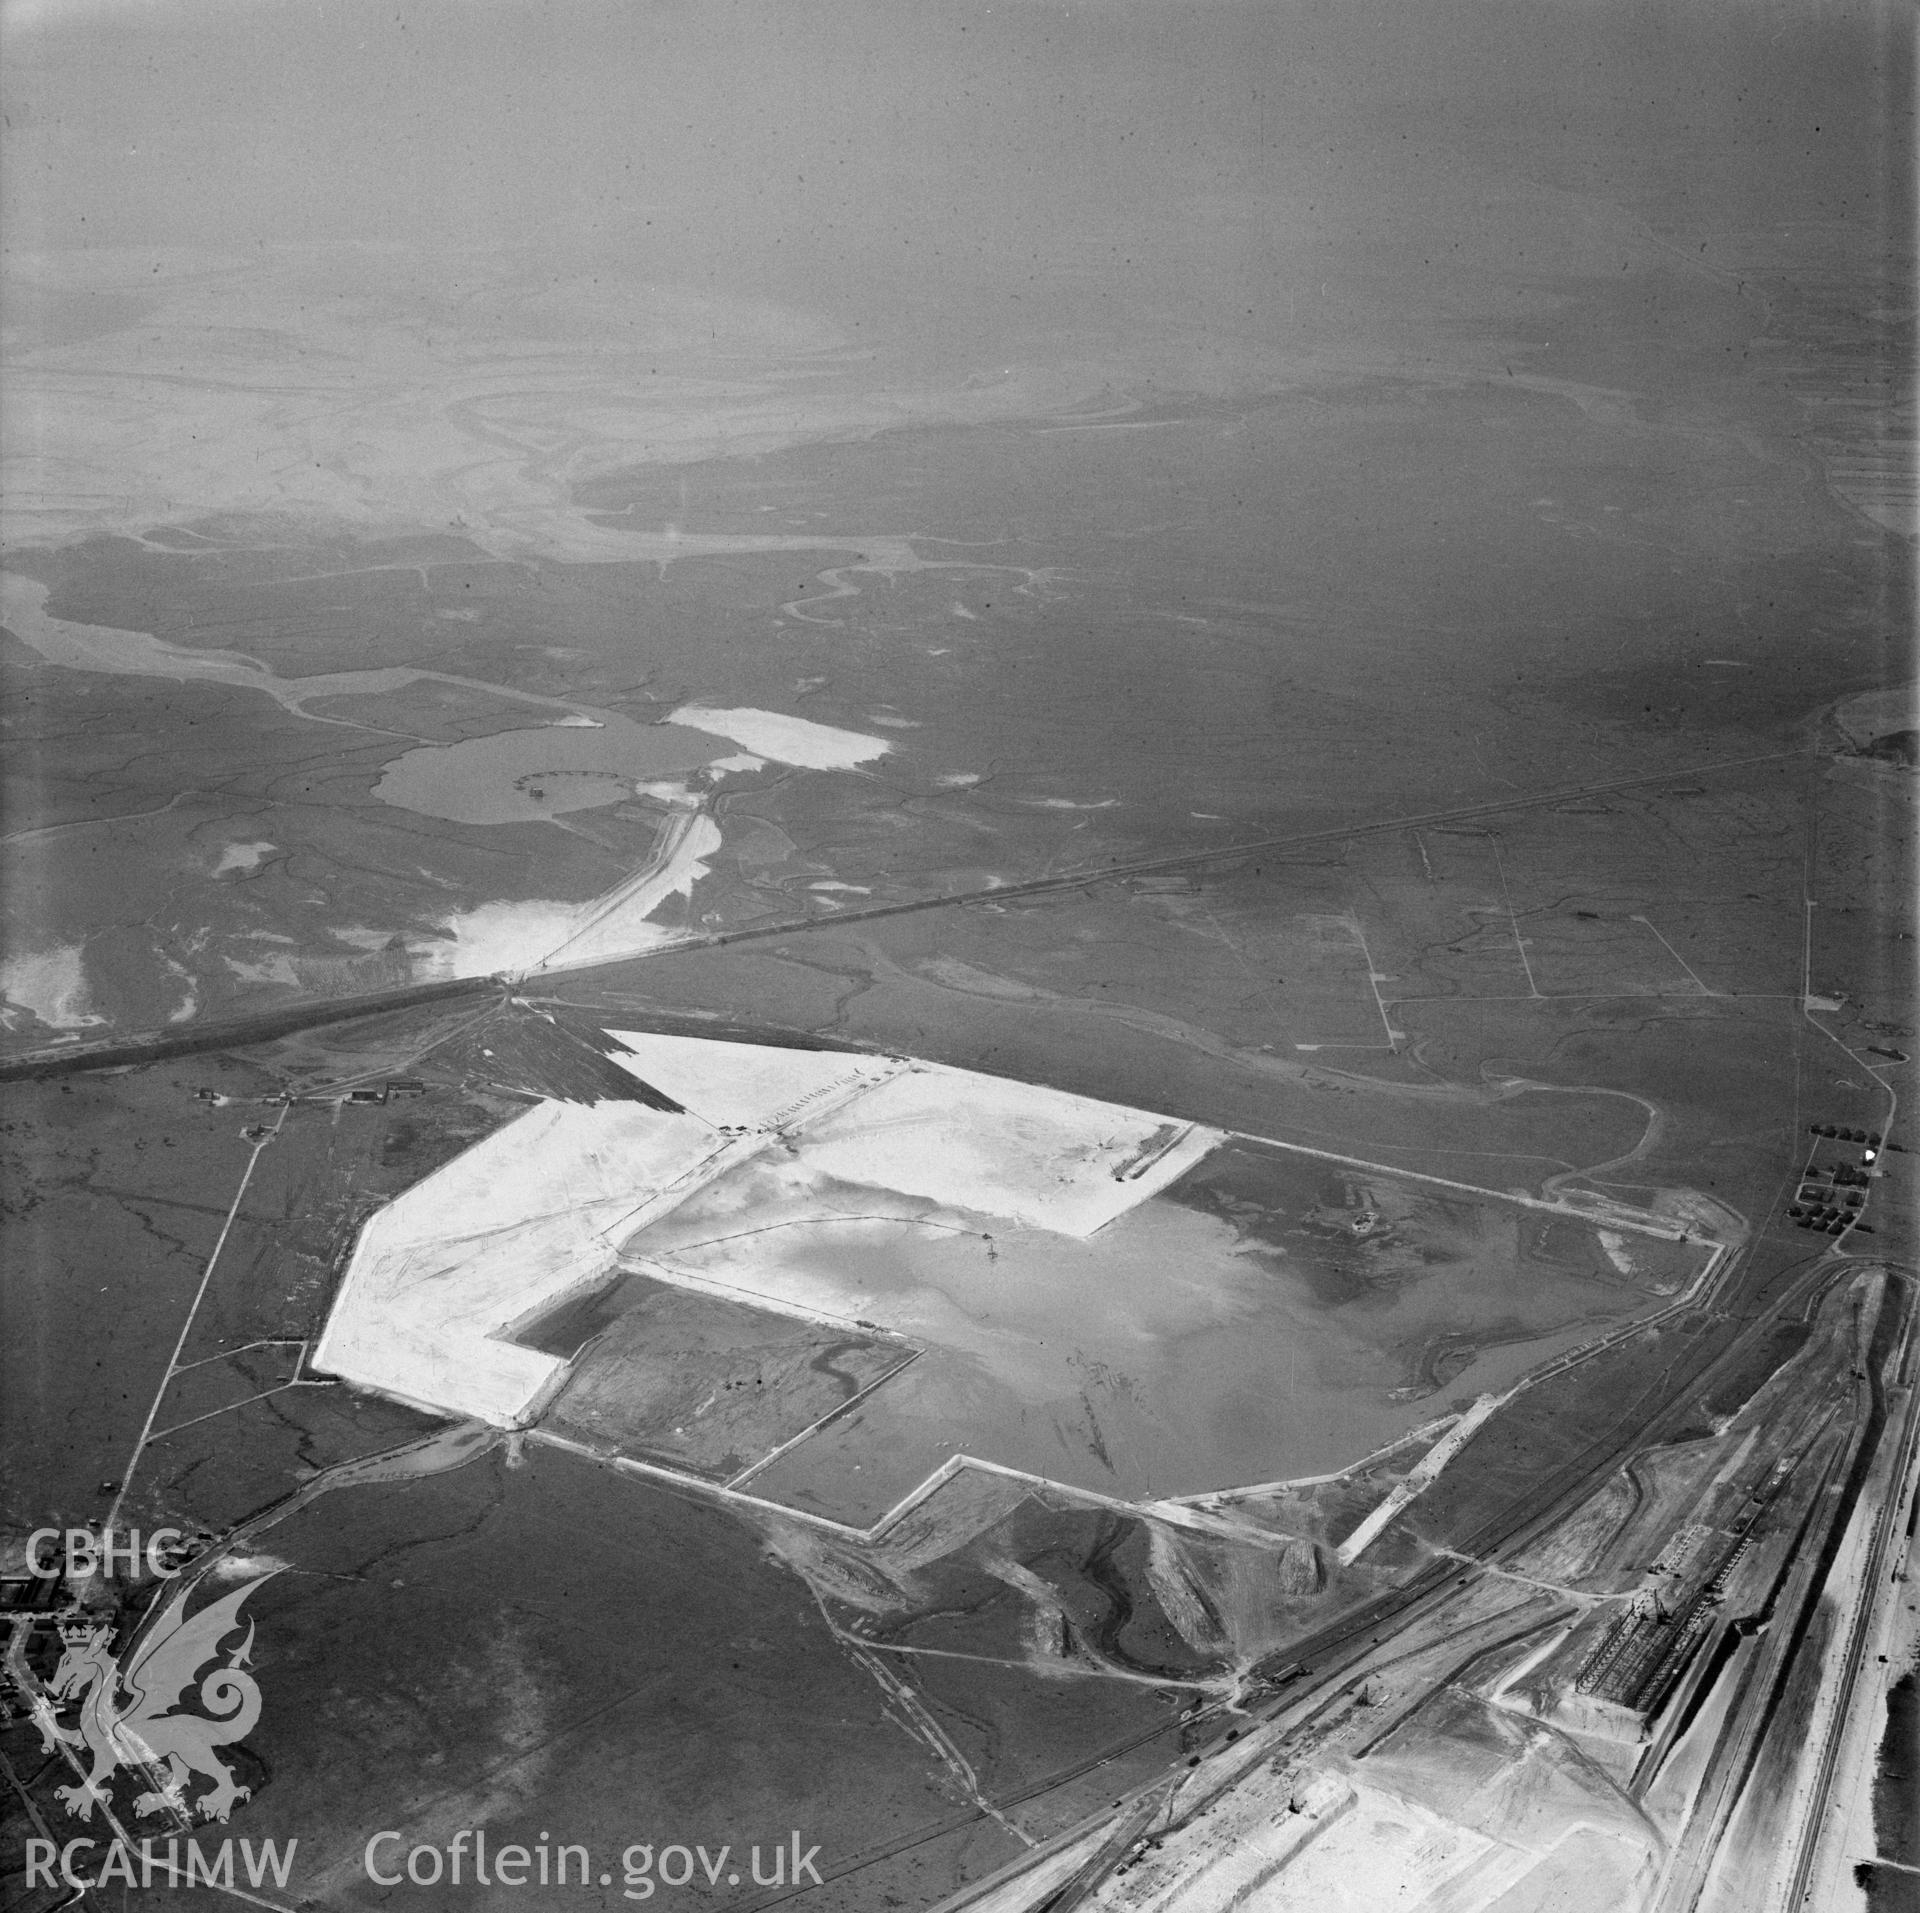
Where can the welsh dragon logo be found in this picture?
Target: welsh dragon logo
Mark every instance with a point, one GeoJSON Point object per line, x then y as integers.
{"type": "Point", "coordinates": [131, 1716]}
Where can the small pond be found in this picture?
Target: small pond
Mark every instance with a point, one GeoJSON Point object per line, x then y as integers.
{"type": "Point", "coordinates": [515, 777]}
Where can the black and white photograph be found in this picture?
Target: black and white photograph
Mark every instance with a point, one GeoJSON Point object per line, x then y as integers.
{"type": "Point", "coordinates": [957, 956]}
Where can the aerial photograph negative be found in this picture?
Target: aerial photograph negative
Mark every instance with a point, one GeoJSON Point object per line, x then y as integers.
{"type": "Point", "coordinates": [958, 956]}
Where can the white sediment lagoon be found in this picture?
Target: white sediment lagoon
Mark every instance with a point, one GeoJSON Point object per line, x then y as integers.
{"type": "Point", "coordinates": [578, 758]}
{"type": "Point", "coordinates": [519, 938]}
{"type": "Point", "coordinates": [787, 740]}
{"type": "Point", "coordinates": [444, 1275]}
{"type": "Point", "coordinates": [52, 983]}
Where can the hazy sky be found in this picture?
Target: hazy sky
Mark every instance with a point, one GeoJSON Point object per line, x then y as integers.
{"type": "Point", "coordinates": [1212, 174]}
{"type": "Point", "coordinates": [424, 262]}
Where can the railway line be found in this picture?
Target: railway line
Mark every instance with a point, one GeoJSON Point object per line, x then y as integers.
{"type": "Point", "coordinates": [1816, 1822]}
{"type": "Point", "coordinates": [1316, 1669]}
{"type": "Point", "coordinates": [158, 1045]}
